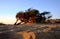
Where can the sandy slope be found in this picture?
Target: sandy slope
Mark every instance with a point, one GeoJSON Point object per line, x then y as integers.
{"type": "Point", "coordinates": [30, 31]}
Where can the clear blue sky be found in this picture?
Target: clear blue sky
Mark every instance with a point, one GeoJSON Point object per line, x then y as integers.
{"type": "Point", "coordinates": [9, 8]}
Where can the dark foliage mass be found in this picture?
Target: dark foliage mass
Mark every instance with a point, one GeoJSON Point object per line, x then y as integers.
{"type": "Point", "coordinates": [32, 15]}
{"type": "Point", "coordinates": [2, 24]}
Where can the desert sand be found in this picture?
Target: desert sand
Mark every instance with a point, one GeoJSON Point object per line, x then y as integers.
{"type": "Point", "coordinates": [30, 31]}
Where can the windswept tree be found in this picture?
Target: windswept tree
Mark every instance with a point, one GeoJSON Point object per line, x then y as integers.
{"type": "Point", "coordinates": [32, 15]}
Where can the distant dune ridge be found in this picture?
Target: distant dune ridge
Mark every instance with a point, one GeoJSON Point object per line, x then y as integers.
{"type": "Point", "coordinates": [30, 31]}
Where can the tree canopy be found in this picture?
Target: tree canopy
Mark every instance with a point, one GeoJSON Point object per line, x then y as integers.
{"type": "Point", "coordinates": [32, 14]}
